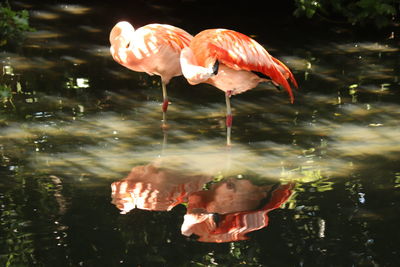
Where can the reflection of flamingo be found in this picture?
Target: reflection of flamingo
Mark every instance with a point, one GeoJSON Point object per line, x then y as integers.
{"type": "Point", "coordinates": [232, 62]}
{"type": "Point", "coordinates": [154, 49]}
{"type": "Point", "coordinates": [151, 187]}
{"type": "Point", "coordinates": [232, 209]}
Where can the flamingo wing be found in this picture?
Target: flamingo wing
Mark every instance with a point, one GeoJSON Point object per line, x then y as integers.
{"type": "Point", "coordinates": [149, 48]}
{"type": "Point", "coordinates": [288, 74]}
{"type": "Point", "coordinates": [151, 38]}
{"type": "Point", "coordinates": [240, 52]}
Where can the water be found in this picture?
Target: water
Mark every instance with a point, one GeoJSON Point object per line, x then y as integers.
{"type": "Point", "coordinates": [74, 122]}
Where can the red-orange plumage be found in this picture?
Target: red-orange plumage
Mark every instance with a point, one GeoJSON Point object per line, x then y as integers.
{"type": "Point", "coordinates": [239, 52]}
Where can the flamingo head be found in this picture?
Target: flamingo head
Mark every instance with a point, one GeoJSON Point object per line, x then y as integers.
{"type": "Point", "coordinates": [121, 33]}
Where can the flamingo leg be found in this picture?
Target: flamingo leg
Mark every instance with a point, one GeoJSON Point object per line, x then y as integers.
{"type": "Point", "coordinates": [164, 104]}
{"type": "Point", "coordinates": [228, 117]}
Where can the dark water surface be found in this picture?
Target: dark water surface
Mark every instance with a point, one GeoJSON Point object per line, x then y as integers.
{"type": "Point", "coordinates": [319, 179]}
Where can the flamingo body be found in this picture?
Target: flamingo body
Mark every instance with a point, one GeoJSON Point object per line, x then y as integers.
{"type": "Point", "coordinates": [239, 57]}
{"type": "Point", "coordinates": [229, 60]}
{"type": "Point", "coordinates": [153, 48]}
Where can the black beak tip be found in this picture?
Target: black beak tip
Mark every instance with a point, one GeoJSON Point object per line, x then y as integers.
{"type": "Point", "coordinates": [215, 67]}
{"type": "Point", "coordinates": [216, 218]}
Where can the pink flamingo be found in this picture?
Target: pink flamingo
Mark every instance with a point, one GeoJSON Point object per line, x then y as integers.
{"type": "Point", "coordinates": [153, 48]}
{"type": "Point", "coordinates": [229, 214]}
{"type": "Point", "coordinates": [155, 187]}
{"type": "Point", "coordinates": [234, 63]}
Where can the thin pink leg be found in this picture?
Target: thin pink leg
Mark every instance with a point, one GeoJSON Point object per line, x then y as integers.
{"type": "Point", "coordinates": [229, 117]}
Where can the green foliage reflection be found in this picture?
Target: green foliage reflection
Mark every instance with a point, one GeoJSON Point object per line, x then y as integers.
{"type": "Point", "coordinates": [13, 24]}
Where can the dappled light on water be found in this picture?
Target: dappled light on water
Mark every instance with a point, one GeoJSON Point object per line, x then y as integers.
{"type": "Point", "coordinates": [72, 9]}
{"type": "Point", "coordinates": [45, 15]}
{"type": "Point", "coordinates": [110, 142]}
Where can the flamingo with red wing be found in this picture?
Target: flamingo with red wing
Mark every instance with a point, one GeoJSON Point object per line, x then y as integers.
{"type": "Point", "coordinates": [234, 63]}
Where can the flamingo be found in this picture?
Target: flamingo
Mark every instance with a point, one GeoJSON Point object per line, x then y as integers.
{"type": "Point", "coordinates": [153, 48]}
{"type": "Point", "coordinates": [234, 63]}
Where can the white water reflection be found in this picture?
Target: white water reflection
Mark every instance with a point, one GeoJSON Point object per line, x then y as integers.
{"type": "Point", "coordinates": [368, 141]}
{"type": "Point", "coordinates": [109, 144]}
{"type": "Point", "coordinates": [43, 35]}
{"type": "Point", "coordinates": [44, 15]}
{"type": "Point", "coordinates": [72, 9]}
{"type": "Point", "coordinates": [355, 47]}
{"type": "Point", "coordinates": [363, 47]}
{"type": "Point", "coordinates": [20, 63]}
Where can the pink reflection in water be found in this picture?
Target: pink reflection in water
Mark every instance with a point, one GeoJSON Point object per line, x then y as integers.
{"type": "Point", "coordinates": [232, 209]}
{"type": "Point", "coordinates": [150, 187]}
{"type": "Point", "coordinates": [226, 212]}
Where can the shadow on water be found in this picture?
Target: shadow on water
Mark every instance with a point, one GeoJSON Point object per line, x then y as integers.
{"type": "Point", "coordinates": [73, 122]}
